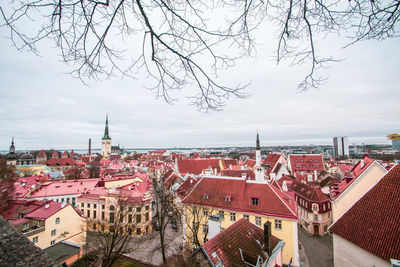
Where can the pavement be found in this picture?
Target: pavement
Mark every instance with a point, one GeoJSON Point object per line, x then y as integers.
{"type": "Point", "coordinates": [315, 251]}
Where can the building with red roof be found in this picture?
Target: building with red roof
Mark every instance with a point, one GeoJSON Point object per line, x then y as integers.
{"type": "Point", "coordinates": [198, 166]}
{"type": "Point", "coordinates": [46, 223]}
{"type": "Point", "coordinates": [244, 244]}
{"type": "Point", "coordinates": [306, 166]}
{"type": "Point", "coordinates": [369, 232]}
{"type": "Point", "coordinates": [41, 157]}
{"type": "Point", "coordinates": [235, 198]}
{"type": "Point", "coordinates": [55, 154]}
{"type": "Point", "coordinates": [314, 207]}
{"type": "Point", "coordinates": [61, 163]}
{"type": "Point", "coordinates": [367, 172]}
{"type": "Point", "coordinates": [103, 206]}
{"type": "Point", "coordinates": [275, 165]}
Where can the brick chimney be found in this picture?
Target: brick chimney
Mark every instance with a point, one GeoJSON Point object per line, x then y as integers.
{"type": "Point", "coordinates": [267, 238]}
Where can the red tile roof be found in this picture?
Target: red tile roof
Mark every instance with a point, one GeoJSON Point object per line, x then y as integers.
{"type": "Point", "coordinates": [16, 208]}
{"type": "Point", "coordinates": [25, 185]}
{"type": "Point", "coordinates": [61, 162]}
{"type": "Point", "coordinates": [46, 210]}
{"type": "Point", "coordinates": [362, 165]}
{"type": "Point", "coordinates": [238, 173]}
{"type": "Point", "coordinates": [271, 201]}
{"type": "Point", "coordinates": [186, 187]}
{"type": "Point", "coordinates": [242, 235]}
{"type": "Point", "coordinates": [307, 163]}
{"type": "Point", "coordinates": [41, 154]}
{"type": "Point", "coordinates": [65, 187]}
{"type": "Point", "coordinates": [196, 166]}
{"type": "Point", "coordinates": [304, 190]}
{"type": "Point", "coordinates": [55, 154]}
{"type": "Point", "coordinates": [373, 223]}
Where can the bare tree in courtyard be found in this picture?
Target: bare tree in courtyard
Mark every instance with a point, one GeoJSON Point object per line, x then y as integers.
{"type": "Point", "coordinates": [166, 211]}
{"type": "Point", "coordinates": [114, 232]}
{"type": "Point", "coordinates": [8, 177]}
{"type": "Point", "coordinates": [186, 42]}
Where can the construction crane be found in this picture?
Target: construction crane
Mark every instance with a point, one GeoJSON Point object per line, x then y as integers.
{"type": "Point", "coordinates": [394, 136]}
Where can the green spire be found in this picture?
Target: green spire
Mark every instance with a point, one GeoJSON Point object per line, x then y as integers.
{"type": "Point", "coordinates": [106, 135]}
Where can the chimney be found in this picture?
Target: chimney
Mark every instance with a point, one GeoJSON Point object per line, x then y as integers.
{"type": "Point", "coordinates": [90, 146]}
{"type": "Point", "coordinates": [362, 163]}
{"type": "Point", "coordinates": [244, 175]}
{"type": "Point", "coordinates": [267, 238]}
{"type": "Point", "coordinates": [46, 206]}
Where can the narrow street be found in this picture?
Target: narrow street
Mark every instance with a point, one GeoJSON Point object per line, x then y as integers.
{"type": "Point", "coordinates": [319, 250]}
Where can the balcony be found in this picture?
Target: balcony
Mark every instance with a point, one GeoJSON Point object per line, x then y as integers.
{"type": "Point", "coordinates": [33, 231]}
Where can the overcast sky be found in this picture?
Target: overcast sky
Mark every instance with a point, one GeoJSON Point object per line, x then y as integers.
{"type": "Point", "coordinates": [44, 107]}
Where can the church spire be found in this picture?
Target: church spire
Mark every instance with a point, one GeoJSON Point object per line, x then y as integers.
{"type": "Point", "coordinates": [258, 142]}
{"type": "Point", "coordinates": [12, 147]}
{"type": "Point", "coordinates": [106, 135]}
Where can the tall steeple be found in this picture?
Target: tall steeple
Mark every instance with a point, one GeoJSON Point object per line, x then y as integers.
{"type": "Point", "coordinates": [106, 134]}
{"type": "Point", "coordinates": [259, 172]}
{"type": "Point", "coordinates": [12, 147]}
{"type": "Point", "coordinates": [258, 142]}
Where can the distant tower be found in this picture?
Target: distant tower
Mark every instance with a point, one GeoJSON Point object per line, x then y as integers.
{"type": "Point", "coordinates": [11, 156]}
{"type": "Point", "coordinates": [340, 146]}
{"type": "Point", "coordinates": [106, 141]}
{"type": "Point", "coordinates": [258, 169]}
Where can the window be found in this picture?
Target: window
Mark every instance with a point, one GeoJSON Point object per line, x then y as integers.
{"type": "Point", "coordinates": [130, 209]}
{"type": "Point", "coordinates": [138, 231]}
{"type": "Point", "coordinates": [94, 226]}
{"type": "Point", "coordinates": [228, 198]}
{"type": "Point", "coordinates": [95, 206]}
{"type": "Point", "coordinates": [315, 207]}
{"type": "Point", "coordinates": [73, 201]}
{"type": "Point", "coordinates": [129, 218]}
{"type": "Point", "coordinates": [88, 205]}
{"type": "Point", "coordinates": [94, 214]}
{"type": "Point", "coordinates": [205, 196]}
{"type": "Point", "coordinates": [205, 212]}
{"type": "Point", "coordinates": [329, 215]}
{"type": "Point", "coordinates": [25, 226]}
{"type": "Point", "coordinates": [103, 207]}
{"type": "Point", "coordinates": [205, 228]}
{"type": "Point", "coordinates": [246, 217]}
{"type": "Point", "coordinates": [112, 217]}
{"type": "Point", "coordinates": [138, 218]}
{"type": "Point", "coordinates": [138, 209]}
{"type": "Point", "coordinates": [103, 215]}
{"type": "Point", "coordinates": [88, 213]}
{"type": "Point", "coordinates": [35, 239]}
{"type": "Point", "coordinates": [221, 215]}
{"type": "Point", "coordinates": [57, 220]}
{"type": "Point", "coordinates": [315, 217]}
{"type": "Point", "coordinates": [82, 205]}
{"type": "Point", "coordinates": [278, 225]}
{"type": "Point", "coordinates": [53, 232]}
{"type": "Point", "coordinates": [52, 242]}
{"type": "Point", "coordinates": [258, 221]}
{"type": "Point", "coordinates": [112, 207]}
{"type": "Point", "coordinates": [254, 201]}
{"type": "Point", "coordinates": [233, 216]}
{"type": "Point", "coordinates": [67, 199]}
{"type": "Point", "coordinates": [147, 217]}
{"type": "Point", "coordinates": [147, 207]}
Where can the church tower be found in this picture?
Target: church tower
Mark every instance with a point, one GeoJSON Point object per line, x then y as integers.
{"type": "Point", "coordinates": [106, 141]}
{"type": "Point", "coordinates": [259, 172]}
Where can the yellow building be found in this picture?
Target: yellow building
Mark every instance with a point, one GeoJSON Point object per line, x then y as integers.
{"type": "Point", "coordinates": [232, 199]}
{"type": "Point", "coordinates": [47, 223]}
{"type": "Point", "coordinates": [128, 207]}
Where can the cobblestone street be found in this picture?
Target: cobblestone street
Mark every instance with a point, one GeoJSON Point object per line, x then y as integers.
{"type": "Point", "coordinates": [318, 250]}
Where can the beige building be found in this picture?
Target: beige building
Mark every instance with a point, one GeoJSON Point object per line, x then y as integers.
{"type": "Point", "coordinates": [130, 204]}
{"type": "Point", "coordinates": [367, 173]}
{"type": "Point", "coordinates": [47, 223]}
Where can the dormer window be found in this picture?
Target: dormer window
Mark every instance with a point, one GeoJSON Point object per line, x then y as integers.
{"type": "Point", "coordinates": [254, 201]}
{"type": "Point", "coordinates": [315, 207]}
{"type": "Point", "coordinates": [205, 196]}
{"type": "Point", "coordinates": [228, 198]}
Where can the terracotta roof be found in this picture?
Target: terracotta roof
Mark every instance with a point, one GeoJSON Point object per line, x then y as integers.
{"type": "Point", "coordinates": [196, 166]}
{"type": "Point", "coordinates": [304, 190]}
{"type": "Point", "coordinates": [242, 236]}
{"type": "Point", "coordinates": [15, 208]}
{"type": "Point", "coordinates": [271, 201]}
{"type": "Point", "coordinates": [61, 162]}
{"type": "Point", "coordinates": [55, 154]}
{"type": "Point", "coordinates": [46, 210]}
{"type": "Point", "coordinates": [362, 165]}
{"type": "Point", "coordinates": [186, 187]}
{"type": "Point", "coordinates": [272, 161]}
{"type": "Point", "coordinates": [373, 223]}
{"type": "Point", "coordinates": [250, 163]}
{"type": "Point", "coordinates": [307, 163]}
{"type": "Point", "coordinates": [41, 154]}
{"type": "Point", "coordinates": [65, 187]}
{"type": "Point", "coordinates": [238, 173]}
